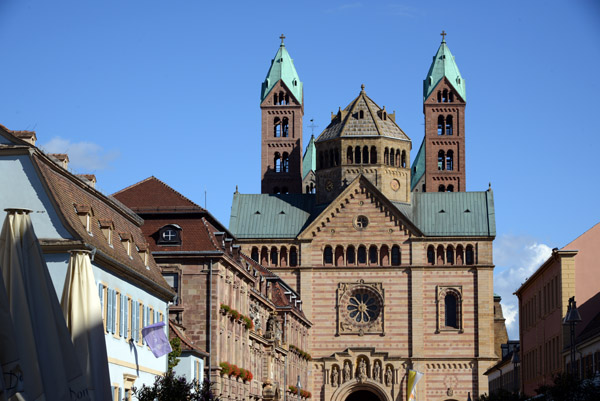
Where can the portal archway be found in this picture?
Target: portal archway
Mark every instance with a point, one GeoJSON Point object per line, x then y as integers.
{"type": "Point", "coordinates": [362, 395]}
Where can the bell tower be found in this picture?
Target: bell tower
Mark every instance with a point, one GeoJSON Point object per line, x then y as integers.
{"type": "Point", "coordinates": [282, 110]}
{"type": "Point", "coordinates": [444, 102]}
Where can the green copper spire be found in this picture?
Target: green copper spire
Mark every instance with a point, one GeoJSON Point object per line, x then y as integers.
{"type": "Point", "coordinates": [444, 66]}
{"type": "Point", "coordinates": [282, 68]}
{"type": "Point", "coordinates": [309, 161]}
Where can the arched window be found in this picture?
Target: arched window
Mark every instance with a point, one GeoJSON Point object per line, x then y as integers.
{"type": "Point", "coordinates": [293, 256]}
{"type": "Point", "coordinates": [439, 97]}
{"type": "Point", "coordinates": [470, 255]}
{"type": "Point", "coordinates": [287, 98]}
{"type": "Point", "coordinates": [460, 255]}
{"type": "Point", "coordinates": [430, 255]}
{"type": "Point", "coordinates": [274, 258]}
{"type": "Point", "coordinates": [331, 158]}
{"type": "Point", "coordinates": [285, 127]}
{"type": "Point", "coordinates": [365, 155]}
{"type": "Point", "coordinates": [398, 157]}
{"type": "Point", "coordinates": [440, 129]}
{"type": "Point", "coordinates": [441, 188]}
{"type": "Point", "coordinates": [277, 162]}
{"type": "Point", "coordinates": [450, 255]}
{"type": "Point", "coordinates": [285, 165]}
{"type": "Point", "coordinates": [339, 256]}
{"type": "Point", "coordinates": [336, 157]}
{"type": "Point", "coordinates": [284, 190]}
{"type": "Point", "coordinates": [350, 255]}
{"type": "Point", "coordinates": [450, 160]}
{"type": "Point", "coordinates": [449, 125]}
{"type": "Point", "coordinates": [307, 190]}
{"type": "Point", "coordinates": [441, 163]}
{"type": "Point", "coordinates": [373, 255]}
{"type": "Point", "coordinates": [396, 256]}
{"type": "Point", "coordinates": [450, 188]}
{"type": "Point", "coordinates": [283, 257]}
{"type": "Point", "coordinates": [275, 99]}
{"type": "Point", "coordinates": [362, 255]}
{"type": "Point", "coordinates": [445, 96]}
{"type": "Point", "coordinates": [357, 155]}
{"type": "Point", "coordinates": [264, 256]}
{"type": "Point", "coordinates": [392, 156]}
{"type": "Point", "coordinates": [277, 127]}
{"type": "Point", "coordinates": [373, 155]}
{"type": "Point", "coordinates": [451, 311]}
{"type": "Point", "coordinates": [328, 255]}
{"type": "Point", "coordinates": [349, 155]}
{"type": "Point", "coordinates": [386, 156]}
{"type": "Point", "coordinates": [384, 256]}
{"type": "Point", "coordinates": [451, 96]}
{"type": "Point", "coordinates": [254, 254]}
{"type": "Point", "coordinates": [321, 161]}
{"type": "Point", "coordinates": [326, 165]}
{"type": "Point", "coordinates": [440, 255]}
{"type": "Point", "coordinates": [281, 98]}
{"type": "Point", "coordinates": [361, 114]}
{"type": "Point", "coordinates": [403, 159]}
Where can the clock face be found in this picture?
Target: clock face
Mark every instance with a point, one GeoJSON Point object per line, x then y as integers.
{"type": "Point", "coordinates": [329, 185]}
{"type": "Point", "coordinates": [395, 185]}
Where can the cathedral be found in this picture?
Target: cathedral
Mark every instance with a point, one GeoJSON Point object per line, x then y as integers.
{"type": "Point", "coordinates": [392, 261]}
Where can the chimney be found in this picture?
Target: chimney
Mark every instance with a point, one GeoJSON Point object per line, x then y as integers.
{"type": "Point", "coordinates": [27, 136]}
{"type": "Point", "coordinates": [62, 159]}
{"type": "Point", "coordinates": [89, 179]}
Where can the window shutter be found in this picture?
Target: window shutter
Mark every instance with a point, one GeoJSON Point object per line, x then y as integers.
{"type": "Point", "coordinates": [137, 321]}
{"type": "Point", "coordinates": [108, 310]}
{"type": "Point", "coordinates": [101, 296]}
{"type": "Point", "coordinates": [125, 317]}
{"type": "Point", "coordinates": [114, 313]}
{"type": "Point", "coordinates": [120, 393]}
{"type": "Point", "coordinates": [121, 316]}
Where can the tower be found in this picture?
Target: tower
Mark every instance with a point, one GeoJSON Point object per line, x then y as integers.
{"type": "Point", "coordinates": [282, 109]}
{"type": "Point", "coordinates": [440, 162]}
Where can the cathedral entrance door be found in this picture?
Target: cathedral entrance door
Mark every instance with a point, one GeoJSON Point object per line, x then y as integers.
{"type": "Point", "coordinates": [362, 395]}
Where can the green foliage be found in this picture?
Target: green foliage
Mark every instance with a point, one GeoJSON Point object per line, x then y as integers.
{"type": "Point", "coordinates": [175, 388]}
{"type": "Point", "coordinates": [502, 395]}
{"type": "Point", "coordinates": [173, 355]}
{"type": "Point", "coordinates": [568, 388]}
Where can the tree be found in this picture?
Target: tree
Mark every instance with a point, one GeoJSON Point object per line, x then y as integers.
{"type": "Point", "coordinates": [175, 353]}
{"type": "Point", "coordinates": [169, 387]}
{"type": "Point", "coordinates": [568, 388]}
{"type": "Point", "coordinates": [502, 395]}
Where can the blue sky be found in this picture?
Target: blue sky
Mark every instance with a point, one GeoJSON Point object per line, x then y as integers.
{"type": "Point", "coordinates": [134, 88]}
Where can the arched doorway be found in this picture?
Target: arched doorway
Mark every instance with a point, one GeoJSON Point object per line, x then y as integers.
{"type": "Point", "coordinates": [363, 395]}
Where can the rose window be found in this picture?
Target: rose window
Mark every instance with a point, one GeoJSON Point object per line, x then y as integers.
{"type": "Point", "coordinates": [363, 308]}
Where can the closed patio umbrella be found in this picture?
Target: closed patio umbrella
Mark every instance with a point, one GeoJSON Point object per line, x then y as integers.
{"type": "Point", "coordinates": [47, 357]}
{"type": "Point", "coordinates": [10, 381]}
{"type": "Point", "coordinates": [81, 307]}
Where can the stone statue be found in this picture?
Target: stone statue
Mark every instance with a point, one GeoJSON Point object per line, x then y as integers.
{"type": "Point", "coordinates": [388, 376]}
{"type": "Point", "coordinates": [255, 316]}
{"type": "Point", "coordinates": [377, 372]}
{"type": "Point", "coordinates": [362, 370]}
{"type": "Point", "coordinates": [346, 371]}
{"type": "Point", "coordinates": [335, 377]}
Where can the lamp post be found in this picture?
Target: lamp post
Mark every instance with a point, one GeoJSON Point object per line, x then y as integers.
{"type": "Point", "coordinates": [571, 319]}
{"type": "Point", "coordinates": [515, 361]}
{"type": "Point", "coordinates": [299, 386]}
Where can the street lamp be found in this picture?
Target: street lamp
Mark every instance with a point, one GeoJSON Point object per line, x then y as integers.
{"type": "Point", "coordinates": [571, 319]}
{"type": "Point", "coordinates": [515, 361]}
{"type": "Point", "coordinates": [299, 385]}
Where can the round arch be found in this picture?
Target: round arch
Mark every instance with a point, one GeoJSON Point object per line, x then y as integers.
{"type": "Point", "coordinates": [352, 386]}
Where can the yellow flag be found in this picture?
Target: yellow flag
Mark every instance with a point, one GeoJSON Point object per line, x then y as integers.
{"type": "Point", "coordinates": [413, 379]}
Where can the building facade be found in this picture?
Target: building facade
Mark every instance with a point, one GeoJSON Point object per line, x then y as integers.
{"type": "Point", "coordinates": [392, 279]}
{"type": "Point", "coordinates": [248, 320]}
{"type": "Point", "coordinates": [69, 214]}
{"type": "Point", "coordinates": [543, 303]}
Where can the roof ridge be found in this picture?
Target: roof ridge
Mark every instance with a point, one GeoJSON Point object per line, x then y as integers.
{"type": "Point", "coordinates": [167, 186]}
{"type": "Point", "coordinates": [133, 185]}
{"type": "Point", "coordinates": [365, 97]}
{"type": "Point", "coordinates": [210, 233]}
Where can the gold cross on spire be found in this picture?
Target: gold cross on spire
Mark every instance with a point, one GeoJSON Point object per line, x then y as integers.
{"type": "Point", "coordinates": [282, 37]}
{"type": "Point", "coordinates": [443, 36]}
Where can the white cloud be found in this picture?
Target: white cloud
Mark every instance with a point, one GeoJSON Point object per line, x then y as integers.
{"type": "Point", "coordinates": [86, 157]}
{"type": "Point", "coordinates": [516, 258]}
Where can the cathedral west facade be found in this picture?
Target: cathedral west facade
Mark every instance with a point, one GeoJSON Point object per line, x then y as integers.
{"type": "Point", "coordinates": [393, 261]}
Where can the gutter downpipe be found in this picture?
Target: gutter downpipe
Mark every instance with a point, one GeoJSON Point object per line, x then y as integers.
{"type": "Point", "coordinates": [210, 266]}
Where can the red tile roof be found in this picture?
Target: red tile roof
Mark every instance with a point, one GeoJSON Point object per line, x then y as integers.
{"type": "Point", "coordinates": [177, 331]}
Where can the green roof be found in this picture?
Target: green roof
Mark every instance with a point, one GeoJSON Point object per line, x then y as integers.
{"type": "Point", "coordinates": [271, 216]}
{"type": "Point", "coordinates": [444, 65]}
{"type": "Point", "coordinates": [454, 213]}
{"type": "Point", "coordinates": [282, 68]}
{"type": "Point", "coordinates": [309, 160]}
{"type": "Point", "coordinates": [418, 167]}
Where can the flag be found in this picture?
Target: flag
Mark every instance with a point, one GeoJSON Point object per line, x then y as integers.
{"type": "Point", "coordinates": [157, 339]}
{"type": "Point", "coordinates": [413, 379]}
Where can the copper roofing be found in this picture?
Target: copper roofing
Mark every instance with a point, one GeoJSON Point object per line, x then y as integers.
{"type": "Point", "coordinates": [362, 118]}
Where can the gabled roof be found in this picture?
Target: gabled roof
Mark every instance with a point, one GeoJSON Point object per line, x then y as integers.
{"type": "Point", "coordinates": [177, 331]}
{"type": "Point", "coordinates": [152, 194]}
{"type": "Point", "coordinates": [309, 160]}
{"type": "Point", "coordinates": [271, 215]}
{"type": "Point", "coordinates": [444, 65]}
{"type": "Point", "coordinates": [362, 118]}
{"type": "Point", "coordinates": [418, 167]}
{"type": "Point", "coordinates": [282, 68]}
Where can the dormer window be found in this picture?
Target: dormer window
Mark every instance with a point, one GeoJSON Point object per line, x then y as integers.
{"type": "Point", "coordinates": [169, 235]}
{"type": "Point", "coordinates": [143, 252]}
{"type": "Point", "coordinates": [85, 213]}
{"type": "Point", "coordinates": [107, 227]}
{"type": "Point", "coordinates": [126, 240]}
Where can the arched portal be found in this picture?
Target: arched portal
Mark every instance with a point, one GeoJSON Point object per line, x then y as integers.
{"type": "Point", "coordinates": [362, 395]}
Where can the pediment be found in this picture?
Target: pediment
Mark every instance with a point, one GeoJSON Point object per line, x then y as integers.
{"type": "Point", "coordinates": [442, 84]}
{"type": "Point", "coordinates": [361, 210]}
{"type": "Point", "coordinates": [280, 87]}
